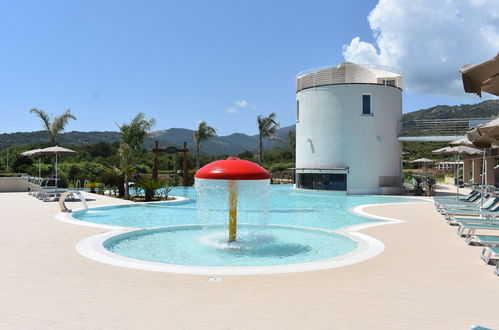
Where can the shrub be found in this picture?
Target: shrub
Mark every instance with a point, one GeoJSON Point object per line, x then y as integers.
{"type": "Point", "coordinates": [150, 186]}
{"type": "Point", "coordinates": [92, 186]}
{"type": "Point", "coordinates": [277, 167]}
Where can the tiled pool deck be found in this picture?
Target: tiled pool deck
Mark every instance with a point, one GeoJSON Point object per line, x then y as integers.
{"type": "Point", "coordinates": [425, 278]}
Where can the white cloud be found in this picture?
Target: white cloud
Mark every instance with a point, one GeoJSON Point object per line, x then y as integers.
{"type": "Point", "coordinates": [242, 103]}
{"type": "Point", "coordinates": [245, 104]}
{"type": "Point", "coordinates": [429, 41]}
{"type": "Point", "coordinates": [238, 105]}
{"type": "Point", "coordinates": [231, 110]}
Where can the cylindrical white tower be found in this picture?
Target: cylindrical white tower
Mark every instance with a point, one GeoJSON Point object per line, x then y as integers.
{"type": "Point", "coordinates": [347, 125]}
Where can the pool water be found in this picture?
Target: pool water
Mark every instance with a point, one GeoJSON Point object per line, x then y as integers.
{"type": "Point", "coordinates": [208, 246]}
{"type": "Point", "coordinates": [287, 206]}
{"type": "Point", "coordinates": [297, 228]}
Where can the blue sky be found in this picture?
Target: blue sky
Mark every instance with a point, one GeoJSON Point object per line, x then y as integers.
{"type": "Point", "coordinates": [221, 61]}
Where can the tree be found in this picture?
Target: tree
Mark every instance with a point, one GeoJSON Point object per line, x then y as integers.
{"type": "Point", "coordinates": [267, 126]}
{"type": "Point", "coordinates": [132, 137]}
{"type": "Point", "coordinates": [204, 132]}
{"type": "Point", "coordinates": [55, 126]}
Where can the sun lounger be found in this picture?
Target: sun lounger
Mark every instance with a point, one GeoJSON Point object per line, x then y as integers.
{"type": "Point", "coordinates": [491, 212]}
{"type": "Point", "coordinates": [484, 240]}
{"type": "Point", "coordinates": [486, 202]}
{"type": "Point", "coordinates": [489, 253]}
{"type": "Point", "coordinates": [467, 221]}
{"type": "Point", "coordinates": [473, 199]}
{"type": "Point", "coordinates": [476, 200]}
{"type": "Point", "coordinates": [459, 198]}
{"type": "Point", "coordinates": [489, 217]}
{"type": "Point", "coordinates": [469, 229]}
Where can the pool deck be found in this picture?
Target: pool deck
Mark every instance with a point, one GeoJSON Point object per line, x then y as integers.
{"type": "Point", "coordinates": [427, 277]}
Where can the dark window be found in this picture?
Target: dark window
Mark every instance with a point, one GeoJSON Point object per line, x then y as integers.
{"type": "Point", "coordinates": [297, 110]}
{"type": "Point", "coordinates": [322, 181]}
{"type": "Point", "coordinates": [366, 104]}
{"type": "Point", "coordinates": [388, 82]}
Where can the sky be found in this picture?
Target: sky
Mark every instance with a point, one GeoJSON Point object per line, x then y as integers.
{"type": "Point", "coordinates": [225, 62]}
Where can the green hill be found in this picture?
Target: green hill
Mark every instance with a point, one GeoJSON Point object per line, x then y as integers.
{"type": "Point", "coordinates": [486, 109]}
{"type": "Point", "coordinates": [237, 143]}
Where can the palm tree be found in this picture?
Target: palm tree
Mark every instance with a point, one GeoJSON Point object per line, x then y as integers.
{"type": "Point", "coordinates": [117, 174]}
{"type": "Point", "coordinates": [55, 126]}
{"type": "Point", "coordinates": [132, 137]}
{"type": "Point", "coordinates": [267, 126]}
{"type": "Point", "coordinates": [204, 132]}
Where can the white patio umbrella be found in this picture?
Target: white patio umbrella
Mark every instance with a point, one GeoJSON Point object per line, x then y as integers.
{"type": "Point", "coordinates": [56, 150]}
{"type": "Point", "coordinates": [481, 77]}
{"type": "Point", "coordinates": [423, 161]}
{"type": "Point", "coordinates": [488, 130]}
{"type": "Point", "coordinates": [458, 150]}
{"type": "Point", "coordinates": [484, 142]}
{"type": "Point", "coordinates": [31, 153]}
{"type": "Point", "coordinates": [464, 141]}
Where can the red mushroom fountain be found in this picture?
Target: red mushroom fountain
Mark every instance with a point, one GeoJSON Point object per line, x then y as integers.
{"type": "Point", "coordinates": [232, 169]}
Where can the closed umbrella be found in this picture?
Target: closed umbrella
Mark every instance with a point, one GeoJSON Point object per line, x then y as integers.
{"type": "Point", "coordinates": [481, 77]}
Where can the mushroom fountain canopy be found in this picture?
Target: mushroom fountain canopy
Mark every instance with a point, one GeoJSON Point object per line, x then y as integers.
{"type": "Point", "coordinates": [232, 168]}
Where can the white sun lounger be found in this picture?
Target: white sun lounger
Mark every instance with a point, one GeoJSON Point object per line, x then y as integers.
{"type": "Point", "coordinates": [484, 240]}
{"type": "Point", "coordinates": [489, 253]}
{"type": "Point", "coordinates": [469, 229]}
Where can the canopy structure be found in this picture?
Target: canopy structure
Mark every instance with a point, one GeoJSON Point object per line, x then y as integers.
{"type": "Point", "coordinates": [232, 168]}
{"type": "Point", "coordinates": [481, 77]}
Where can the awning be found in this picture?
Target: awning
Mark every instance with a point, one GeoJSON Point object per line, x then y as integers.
{"type": "Point", "coordinates": [481, 77]}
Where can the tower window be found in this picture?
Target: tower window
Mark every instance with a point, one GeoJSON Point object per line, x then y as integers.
{"type": "Point", "coordinates": [297, 110]}
{"type": "Point", "coordinates": [366, 104]}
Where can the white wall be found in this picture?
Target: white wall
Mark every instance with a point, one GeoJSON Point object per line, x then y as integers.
{"type": "Point", "coordinates": [10, 184]}
{"type": "Point", "coordinates": [332, 132]}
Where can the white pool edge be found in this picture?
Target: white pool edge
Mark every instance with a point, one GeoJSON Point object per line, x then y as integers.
{"type": "Point", "coordinates": [367, 247]}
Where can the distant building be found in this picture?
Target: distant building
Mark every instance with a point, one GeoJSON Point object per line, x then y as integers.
{"type": "Point", "coordinates": [447, 166]}
{"type": "Point", "coordinates": [347, 124]}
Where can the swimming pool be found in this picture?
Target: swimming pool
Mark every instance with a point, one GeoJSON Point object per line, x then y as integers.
{"type": "Point", "coordinates": [304, 228]}
{"type": "Point", "coordinates": [287, 206]}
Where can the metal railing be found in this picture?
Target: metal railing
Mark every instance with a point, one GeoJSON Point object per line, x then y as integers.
{"type": "Point", "coordinates": [439, 127]}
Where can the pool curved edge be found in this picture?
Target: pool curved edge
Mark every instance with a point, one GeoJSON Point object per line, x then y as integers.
{"type": "Point", "coordinates": [93, 248]}
{"type": "Point", "coordinates": [367, 247]}
{"type": "Point", "coordinates": [67, 217]}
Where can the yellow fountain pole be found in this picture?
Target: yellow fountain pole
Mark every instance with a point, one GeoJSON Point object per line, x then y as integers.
{"type": "Point", "coordinates": [232, 210]}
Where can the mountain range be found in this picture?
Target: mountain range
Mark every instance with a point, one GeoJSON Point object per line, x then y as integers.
{"type": "Point", "coordinates": [237, 142]}
{"type": "Point", "coordinates": [232, 144]}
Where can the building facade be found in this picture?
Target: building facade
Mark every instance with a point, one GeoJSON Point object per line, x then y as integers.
{"type": "Point", "coordinates": [347, 125]}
